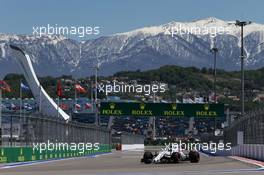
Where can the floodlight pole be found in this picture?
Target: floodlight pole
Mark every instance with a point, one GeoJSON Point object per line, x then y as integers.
{"type": "Point", "coordinates": [95, 95]}
{"type": "Point", "coordinates": [214, 50]}
{"type": "Point", "coordinates": [95, 101]}
{"type": "Point", "coordinates": [1, 117]}
{"type": "Point", "coordinates": [242, 24]}
{"type": "Point", "coordinates": [154, 120]}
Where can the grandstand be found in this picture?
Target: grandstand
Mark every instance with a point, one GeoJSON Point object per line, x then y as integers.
{"type": "Point", "coordinates": [165, 126]}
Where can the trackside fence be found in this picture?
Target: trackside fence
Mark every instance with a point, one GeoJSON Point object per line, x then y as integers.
{"type": "Point", "coordinates": [21, 133]}
{"type": "Point", "coordinates": [247, 135]}
{"type": "Point", "coordinates": [22, 154]}
{"type": "Point", "coordinates": [26, 130]}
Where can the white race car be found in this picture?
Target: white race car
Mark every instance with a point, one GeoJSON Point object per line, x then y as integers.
{"type": "Point", "coordinates": [171, 155]}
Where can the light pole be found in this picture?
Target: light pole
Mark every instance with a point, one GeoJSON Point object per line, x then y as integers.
{"type": "Point", "coordinates": [241, 24]}
{"type": "Point", "coordinates": [97, 119]}
{"type": "Point", "coordinates": [95, 94]}
{"type": "Point", "coordinates": [2, 50]}
{"type": "Point", "coordinates": [214, 50]}
{"type": "Point", "coordinates": [154, 119]}
{"type": "Point", "coordinates": [96, 68]}
{"type": "Point", "coordinates": [1, 117]}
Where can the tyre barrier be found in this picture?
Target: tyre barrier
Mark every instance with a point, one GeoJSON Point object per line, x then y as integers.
{"type": "Point", "coordinates": [23, 154]}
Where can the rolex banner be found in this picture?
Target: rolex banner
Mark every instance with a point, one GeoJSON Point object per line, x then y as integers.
{"type": "Point", "coordinates": [161, 109]}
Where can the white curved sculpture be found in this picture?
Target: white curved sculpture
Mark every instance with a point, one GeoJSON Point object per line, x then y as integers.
{"type": "Point", "coordinates": [46, 104]}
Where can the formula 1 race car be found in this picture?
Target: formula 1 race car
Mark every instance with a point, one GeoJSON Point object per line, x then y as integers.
{"type": "Point", "coordinates": [171, 155]}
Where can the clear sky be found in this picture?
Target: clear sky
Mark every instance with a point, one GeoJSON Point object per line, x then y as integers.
{"type": "Point", "coordinates": [113, 16]}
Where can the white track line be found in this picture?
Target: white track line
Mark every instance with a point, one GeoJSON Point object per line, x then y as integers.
{"type": "Point", "coordinates": [30, 163]}
{"type": "Point", "coordinates": [246, 160]}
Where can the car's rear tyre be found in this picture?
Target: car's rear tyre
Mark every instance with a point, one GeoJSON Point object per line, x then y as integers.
{"type": "Point", "coordinates": [175, 157]}
{"type": "Point", "coordinates": [194, 156]}
{"type": "Point", "coordinates": [147, 157]}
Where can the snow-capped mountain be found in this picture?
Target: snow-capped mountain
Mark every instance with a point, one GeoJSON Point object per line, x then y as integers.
{"type": "Point", "coordinates": [179, 43]}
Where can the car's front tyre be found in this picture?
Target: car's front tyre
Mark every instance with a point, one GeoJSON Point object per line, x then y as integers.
{"type": "Point", "coordinates": [175, 157]}
{"type": "Point", "coordinates": [147, 157]}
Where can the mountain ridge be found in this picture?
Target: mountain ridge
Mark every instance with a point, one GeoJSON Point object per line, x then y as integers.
{"type": "Point", "coordinates": [144, 48]}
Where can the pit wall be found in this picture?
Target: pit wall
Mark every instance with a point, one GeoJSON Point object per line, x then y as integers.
{"type": "Point", "coordinates": [23, 154]}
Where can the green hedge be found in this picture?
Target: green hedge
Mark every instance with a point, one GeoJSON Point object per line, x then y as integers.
{"type": "Point", "coordinates": [23, 154]}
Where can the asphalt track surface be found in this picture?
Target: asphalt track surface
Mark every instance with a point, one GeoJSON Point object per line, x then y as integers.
{"type": "Point", "coordinates": [128, 163]}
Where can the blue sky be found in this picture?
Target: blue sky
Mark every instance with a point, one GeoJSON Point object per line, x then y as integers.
{"type": "Point", "coordinates": [113, 16]}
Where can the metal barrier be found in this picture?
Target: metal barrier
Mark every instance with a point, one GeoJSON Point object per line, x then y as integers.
{"type": "Point", "coordinates": [247, 136]}
{"type": "Point", "coordinates": [253, 151]}
{"type": "Point", "coordinates": [252, 126]}
{"type": "Point", "coordinates": [26, 130]}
